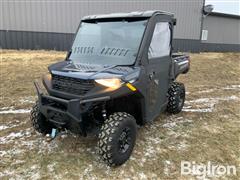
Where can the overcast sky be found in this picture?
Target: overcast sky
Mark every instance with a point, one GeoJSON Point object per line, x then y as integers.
{"type": "Point", "coordinates": [225, 6]}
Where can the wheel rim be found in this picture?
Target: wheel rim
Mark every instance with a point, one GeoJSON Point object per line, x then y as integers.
{"type": "Point", "coordinates": [181, 100]}
{"type": "Point", "coordinates": [124, 140]}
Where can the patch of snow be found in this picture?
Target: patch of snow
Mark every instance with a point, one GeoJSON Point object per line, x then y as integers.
{"type": "Point", "coordinates": [15, 151]}
{"type": "Point", "coordinates": [12, 136]}
{"type": "Point", "coordinates": [142, 175]}
{"type": "Point", "coordinates": [18, 162]}
{"type": "Point", "coordinates": [167, 165]}
{"type": "Point", "coordinates": [122, 172]}
{"type": "Point", "coordinates": [198, 110]}
{"type": "Point", "coordinates": [169, 125]}
{"type": "Point", "coordinates": [175, 122]}
{"type": "Point", "coordinates": [6, 173]}
{"type": "Point", "coordinates": [29, 143]}
{"type": "Point", "coordinates": [22, 143]}
{"type": "Point", "coordinates": [151, 151]}
{"type": "Point", "coordinates": [34, 172]}
{"type": "Point", "coordinates": [207, 91]}
{"type": "Point", "coordinates": [2, 153]}
{"type": "Point", "coordinates": [206, 104]}
{"type": "Point", "coordinates": [152, 143]}
{"type": "Point", "coordinates": [51, 167]}
{"type": "Point", "coordinates": [182, 145]}
{"type": "Point", "coordinates": [15, 111]}
{"type": "Point", "coordinates": [12, 110]}
{"type": "Point", "coordinates": [201, 100]}
{"type": "Point", "coordinates": [236, 86]}
{"type": "Point", "coordinates": [132, 158]}
{"type": "Point", "coordinates": [227, 98]}
{"type": "Point", "coordinates": [187, 107]}
{"type": "Point", "coordinates": [132, 170]}
{"type": "Point", "coordinates": [143, 159]}
{"type": "Point", "coordinates": [45, 146]}
{"type": "Point", "coordinates": [225, 116]}
{"type": "Point", "coordinates": [108, 170]}
{"type": "Point", "coordinates": [88, 170]}
{"type": "Point", "coordinates": [36, 175]}
{"type": "Point", "coordinates": [27, 100]}
{"type": "Point", "coordinates": [232, 87]}
{"type": "Point", "coordinates": [89, 150]}
{"type": "Point", "coordinates": [178, 118]}
{"type": "Point", "coordinates": [4, 108]}
{"type": "Point", "coordinates": [167, 162]}
{"type": "Point", "coordinates": [154, 140]}
{"type": "Point", "coordinates": [2, 127]}
{"type": "Point", "coordinates": [63, 136]}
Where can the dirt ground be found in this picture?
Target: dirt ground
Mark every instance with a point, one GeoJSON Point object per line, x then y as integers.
{"type": "Point", "coordinates": [208, 129]}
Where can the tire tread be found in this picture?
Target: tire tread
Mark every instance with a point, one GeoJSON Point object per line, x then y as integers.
{"type": "Point", "coordinates": [106, 136]}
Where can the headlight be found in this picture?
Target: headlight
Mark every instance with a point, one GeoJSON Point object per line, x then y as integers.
{"type": "Point", "coordinates": [111, 83]}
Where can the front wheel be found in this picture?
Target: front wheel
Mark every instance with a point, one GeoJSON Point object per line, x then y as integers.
{"type": "Point", "coordinates": [117, 138]}
{"type": "Point", "coordinates": [39, 121]}
{"type": "Point", "coordinates": [176, 98]}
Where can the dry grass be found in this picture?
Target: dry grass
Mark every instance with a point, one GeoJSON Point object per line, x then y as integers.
{"type": "Point", "coordinates": [193, 135]}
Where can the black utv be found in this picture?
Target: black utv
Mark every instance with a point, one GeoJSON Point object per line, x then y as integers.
{"type": "Point", "coordinates": [119, 74]}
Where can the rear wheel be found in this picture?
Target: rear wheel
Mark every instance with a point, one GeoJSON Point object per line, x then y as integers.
{"type": "Point", "coordinates": [176, 98]}
{"type": "Point", "coordinates": [117, 138]}
{"type": "Point", "coordinates": [39, 121]}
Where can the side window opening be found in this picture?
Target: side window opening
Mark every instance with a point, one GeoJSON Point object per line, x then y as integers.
{"type": "Point", "coordinates": [160, 44]}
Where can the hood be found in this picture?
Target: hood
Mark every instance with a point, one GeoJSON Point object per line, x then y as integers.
{"type": "Point", "coordinates": [93, 71]}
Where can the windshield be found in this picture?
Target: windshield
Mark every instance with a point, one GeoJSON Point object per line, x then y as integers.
{"type": "Point", "coordinates": [107, 43]}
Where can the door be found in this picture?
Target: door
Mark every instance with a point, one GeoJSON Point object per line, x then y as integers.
{"type": "Point", "coordinates": [159, 61]}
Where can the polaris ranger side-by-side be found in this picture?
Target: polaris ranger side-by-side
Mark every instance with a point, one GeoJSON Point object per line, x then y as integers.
{"type": "Point", "coordinates": [119, 73]}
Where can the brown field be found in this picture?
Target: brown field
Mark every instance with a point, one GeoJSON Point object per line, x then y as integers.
{"type": "Point", "coordinates": [208, 129]}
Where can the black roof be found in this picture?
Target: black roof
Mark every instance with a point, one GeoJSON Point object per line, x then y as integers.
{"type": "Point", "coordinates": [225, 15]}
{"type": "Point", "coordinates": [136, 14]}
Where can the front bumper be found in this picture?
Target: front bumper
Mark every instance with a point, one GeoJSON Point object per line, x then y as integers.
{"type": "Point", "coordinates": [65, 113]}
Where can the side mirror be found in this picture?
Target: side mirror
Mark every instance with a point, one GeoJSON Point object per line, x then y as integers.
{"type": "Point", "coordinates": [208, 9]}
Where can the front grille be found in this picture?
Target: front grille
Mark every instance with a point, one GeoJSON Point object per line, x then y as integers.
{"type": "Point", "coordinates": [71, 85]}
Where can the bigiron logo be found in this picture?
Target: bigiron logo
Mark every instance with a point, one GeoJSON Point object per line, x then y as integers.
{"type": "Point", "coordinates": [202, 171]}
